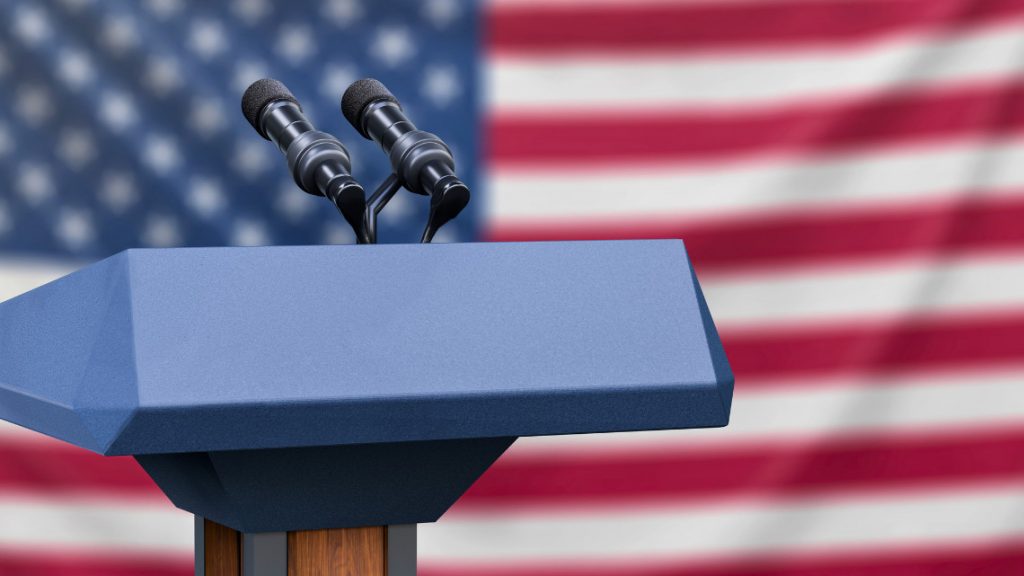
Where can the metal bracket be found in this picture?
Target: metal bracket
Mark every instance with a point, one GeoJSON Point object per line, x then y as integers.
{"type": "Point", "coordinates": [265, 554]}
{"type": "Point", "coordinates": [401, 550]}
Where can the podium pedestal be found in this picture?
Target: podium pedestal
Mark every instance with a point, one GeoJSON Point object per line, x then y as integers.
{"type": "Point", "coordinates": [363, 551]}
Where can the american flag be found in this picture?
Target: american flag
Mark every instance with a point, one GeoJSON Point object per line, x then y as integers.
{"type": "Point", "coordinates": [848, 177]}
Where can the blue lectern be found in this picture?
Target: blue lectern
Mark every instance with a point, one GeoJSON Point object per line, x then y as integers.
{"type": "Point", "coordinates": [281, 393]}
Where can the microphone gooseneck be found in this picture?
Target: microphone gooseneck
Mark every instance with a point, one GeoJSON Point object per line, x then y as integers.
{"type": "Point", "coordinates": [318, 161]}
{"type": "Point", "coordinates": [421, 161]}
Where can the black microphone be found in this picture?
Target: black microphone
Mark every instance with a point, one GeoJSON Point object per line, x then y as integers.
{"type": "Point", "coordinates": [421, 161]}
{"type": "Point", "coordinates": [319, 163]}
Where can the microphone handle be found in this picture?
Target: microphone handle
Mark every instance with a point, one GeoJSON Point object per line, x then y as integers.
{"type": "Point", "coordinates": [319, 163]}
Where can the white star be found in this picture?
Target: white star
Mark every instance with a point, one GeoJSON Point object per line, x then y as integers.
{"type": "Point", "coordinates": [75, 5]}
{"type": "Point", "coordinates": [6, 140]}
{"type": "Point", "coordinates": [442, 12]}
{"type": "Point", "coordinates": [207, 117]}
{"type": "Point", "coordinates": [398, 209]}
{"type": "Point", "coordinates": [251, 11]}
{"type": "Point", "coordinates": [251, 158]}
{"type": "Point", "coordinates": [74, 228]}
{"type": "Point", "coordinates": [293, 203]}
{"type": "Point", "coordinates": [164, 9]}
{"type": "Point", "coordinates": [33, 104]}
{"type": "Point", "coordinates": [75, 69]}
{"type": "Point", "coordinates": [456, 153]}
{"type": "Point", "coordinates": [76, 148]}
{"type": "Point", "coordinates": [441, 85]}
{"type": "Point", "coordinates": [247, 72]}
{"type": "Point", "coordinates": [392, 45]}
{"type": "Point", "coordinates": [35, 184]}
{"type": "Point", "coordinates": [161, 154]}
{"type": "Point", "coordinates": [207, 39]}
{"type": "Point", "coordinates": [335, 233]}
{"type": "Point", "coordinates": [205, 197]}
{"type": "Point", "coordinates": [295, 43]}
{"type": "Point", "coordinates": [336, 79]}
{"type": "Point", "coordinates": [163, 75]}
{"type": "Point", "coordinates": [342, 12]}
{"type": "Point", "coordinates": [31, 25]}
{"type": "Point", "coordinates": [249, 232]}
{"type": "Point", "coordinates": [448, 234]}
{"type": "Point", "coordinates": [120, 34]}
{"type": "Point", "coordinates": [118, 191]}
{"type": "Point", "coordinates": [161, 231]}
{"type": "Point", "coordinates": [118, 111]}
{"type": "Point", "coordinates": [5, 218]}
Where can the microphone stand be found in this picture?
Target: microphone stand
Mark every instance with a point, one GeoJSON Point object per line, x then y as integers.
{"type": "Point", "coordinates": [380, 198]}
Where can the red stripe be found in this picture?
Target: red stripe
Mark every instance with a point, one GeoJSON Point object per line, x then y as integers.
{"type": "Point", "coordinates": [911, 343]}
{"type": "Point", "coordinates": [758, 357]}
{"type": "Point", "coordinates": [995, 559]}
{"type": "Point", "coordinates": [878, 232]}
{"type": "Point", "coordinates": [749, 470]}
{"type": "Point", "coordinates": [661, 136]}
{"type": "Point", "coordinates": [54, 468]}
{"type": "Point", "coordinates": [753, 470]}
{"type": "Point", "coordinates": [662, 27]}
{"type": "Point", "coordinates": [62, 563]}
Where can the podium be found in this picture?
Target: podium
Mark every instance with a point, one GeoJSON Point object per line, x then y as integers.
{"type": "Point", "coordinates": [311, 405]}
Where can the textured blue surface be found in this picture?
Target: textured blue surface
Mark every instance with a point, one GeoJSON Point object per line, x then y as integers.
{"type": "Point", "coordinates": [219, 349]}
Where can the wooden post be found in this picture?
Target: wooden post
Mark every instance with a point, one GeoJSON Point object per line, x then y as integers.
{"type": "Point", "coordinates": [338, 552]}
{"type": "Point", "coordinates": [223, 554]}
{"type": "Point", "coordinates": [334, 552]}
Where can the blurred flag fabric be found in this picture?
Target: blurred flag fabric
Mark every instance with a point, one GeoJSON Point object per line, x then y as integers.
{"type": "Point", "coordinates": [848, 176]}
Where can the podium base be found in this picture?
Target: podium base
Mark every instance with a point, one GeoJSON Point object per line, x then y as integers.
{"type": "Point", "coordinates": [367, 551]}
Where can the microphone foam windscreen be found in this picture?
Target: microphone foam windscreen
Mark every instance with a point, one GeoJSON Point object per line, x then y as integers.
{"type": "Point", "coordinates": [360, 94]}
{"type": "Point", "coordinates": [259, 94]}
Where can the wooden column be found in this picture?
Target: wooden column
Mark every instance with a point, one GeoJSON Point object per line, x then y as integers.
{"type": "Point", "coordinates": [336, 552]}
{"type": "Point", "coordinates": [223, 550]}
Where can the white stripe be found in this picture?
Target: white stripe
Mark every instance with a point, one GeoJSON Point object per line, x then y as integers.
{"type": "Point", "coordinates": [788, 185]}
{"type": "Point", "coordinates": [669, 531]}
{"type": "Point", "coordinates": [93, 524]}
{"type": "Point", "coordinates": [21, 275]}
{"type": "Point", "coordinates": [581, 84]}
{"type": "Point", "coordinates": [894, 519]}
{"type": "Point", "coordinates": [888, 404]}
{"type": "Point", "coordinates": [921, 403]}
{"type": "Point", "coordinates": [10, 431]}
{"type": "Point", "coordinates": [890, 290]}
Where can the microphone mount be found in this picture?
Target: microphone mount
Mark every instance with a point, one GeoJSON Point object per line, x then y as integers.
{"type": "Point", "coordinates": [421, 162]}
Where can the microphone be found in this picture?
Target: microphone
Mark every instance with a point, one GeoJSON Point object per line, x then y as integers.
{"type": "Point", "coordinates": [421, 161]}
{"type": "Point", "coordinates": [319, 163]}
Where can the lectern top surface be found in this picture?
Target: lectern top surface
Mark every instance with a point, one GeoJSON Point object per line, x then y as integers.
{"type": "Point", "coordinates": [183, 350]}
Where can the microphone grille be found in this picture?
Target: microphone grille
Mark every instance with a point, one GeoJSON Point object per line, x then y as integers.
{"type": "Point", "coordinates": [358, 96]}
{"type": "Point", "coordinates": [259, 94]}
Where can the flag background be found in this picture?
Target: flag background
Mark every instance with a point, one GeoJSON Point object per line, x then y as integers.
{"type": "Point", "coordinates": [848, 177]}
